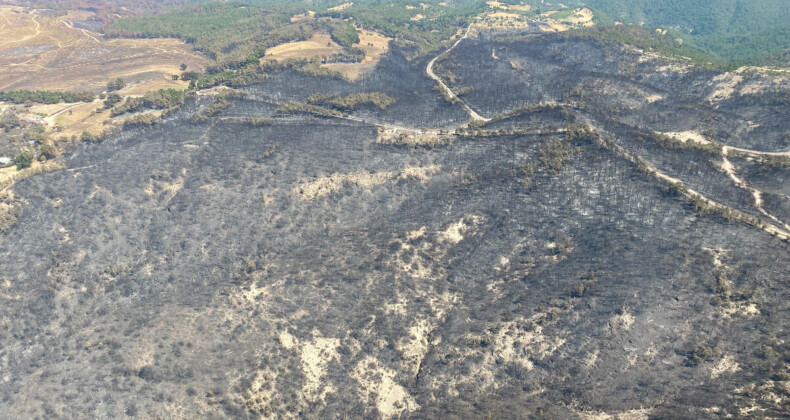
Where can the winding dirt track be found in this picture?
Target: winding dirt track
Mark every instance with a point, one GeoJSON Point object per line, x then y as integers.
{"type": "Point", "coordinates": [16, 41]}
{"type": "Point", "coordinates": [780, 232]}
{"type": "Point", "coordinates": [429, 70]}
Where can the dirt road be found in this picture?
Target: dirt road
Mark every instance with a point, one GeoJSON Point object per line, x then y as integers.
{"type": "Point", "coordinates": [429, 70]}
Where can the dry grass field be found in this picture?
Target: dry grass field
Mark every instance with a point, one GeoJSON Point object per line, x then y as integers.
{"type": "Point", "coordinates": [342, 6]}
{"type": "Point", "coordinates": [580, 18]}
{"type": "Point", "coordinates": [40, 52]}
{"type": "Point", "coordinates": [374, 44]}
{"type": "Point", "coordinates": [320, 44]}
{"type": "Point", "coordinates": [504, 17]}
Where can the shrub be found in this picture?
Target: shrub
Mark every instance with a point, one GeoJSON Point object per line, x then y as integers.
{"type": "Point", "coordinates": [87, 136]}
{"type": "Point", "coordinates": [111, 100]}
{"type": "Point", "coordinates": [142, 120]}
{"type": "Point", "coordinates": [23, 160]}
{"type": "Point", "coordinates": [116, 84]}
{"type": "Point", "coordinates": [48, 151]}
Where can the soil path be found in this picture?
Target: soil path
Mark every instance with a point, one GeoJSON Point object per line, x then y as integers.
{"type": "Point", "coordinates": [752, 153]}
{"type": "Point", "coordinates": [782, 232]}
{"type": "Point", "coordinates": [51, 119]}
{"type": "Point", "coordinates": [37, 29]}
{"type": "Point", "coordinates": [730, 169]}
{"type": "Point", "coordinates": [429, 70]}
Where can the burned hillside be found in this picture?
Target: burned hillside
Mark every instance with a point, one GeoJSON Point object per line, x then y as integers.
{"type": "Point", "coordinates": [610, 240]}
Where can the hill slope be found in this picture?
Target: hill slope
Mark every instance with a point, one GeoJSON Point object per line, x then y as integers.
{"type": "Point", "coordinates": [298, 249]}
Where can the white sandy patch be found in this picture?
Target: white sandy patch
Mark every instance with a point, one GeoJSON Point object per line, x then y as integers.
{"type": "Point", "coordinates": [454, 233]}
{"type": "Point", "coordinates": [342, 6]}
{"type": "Point", "coordinates": [377, 383]}
{"type": "Point", "coordinates": [727, 364]}
{"type": "Point", "coordinates": [416, 234]}
{"type": "Point", "coordinates": [415, 345]}
{"type": "Point", "coordinates": [685, 136]}
{"type": "Point", "coordinates": [316, 356]}
{"type": "Point", "coordinates": [725, 85]}
{"type": "Point", "coordinates": [397, 308]}
{"type": "Point", "coordinates": [590, 360]}
{"type": "Point", "coordinates": [622, 321]}
{"type": "Point", "coordinates": [326, 185]}
{"type": "Point", "coordinates": [287, 340]}
{"type": "Point", "coordinates": [640, 414]}
{"type": "Point", "coordinates": [741, 309]}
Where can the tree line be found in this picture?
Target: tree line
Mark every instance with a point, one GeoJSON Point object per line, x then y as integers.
{"type": "Point", "coordinates": [45, 97]}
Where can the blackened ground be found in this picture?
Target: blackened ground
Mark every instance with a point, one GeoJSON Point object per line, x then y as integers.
{"type": "Point", "coordinates": [304, 269]}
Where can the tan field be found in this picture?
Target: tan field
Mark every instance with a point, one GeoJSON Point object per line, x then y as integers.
{"type": "Point", "coordinates": [580, 18]}
{"type": "Point", "coordinates": [374, 44]}
{"type": "Point", "coordinates": [139, 89]}
{"type": "Point", "coordinates": [320, 44]}
{"type": "Point", "coordinates": [518, 7]}
{"type": "Point", "coordinates": [303, 16]}
{"type": "Point", "coordinates": [40, 52]}
{"type": "Point", "coordinates": [342, 6]}
{"type": "Point", "coordinates": [504, 20]}
{"type": "Point", "coordinates": [583, 17]}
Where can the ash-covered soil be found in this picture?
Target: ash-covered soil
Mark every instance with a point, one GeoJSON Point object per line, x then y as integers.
{"type": "Point", "coordinates": [305, 267]}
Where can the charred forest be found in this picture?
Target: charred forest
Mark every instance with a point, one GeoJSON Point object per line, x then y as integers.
{"type": "Point", "coordinates": [609, 238]}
